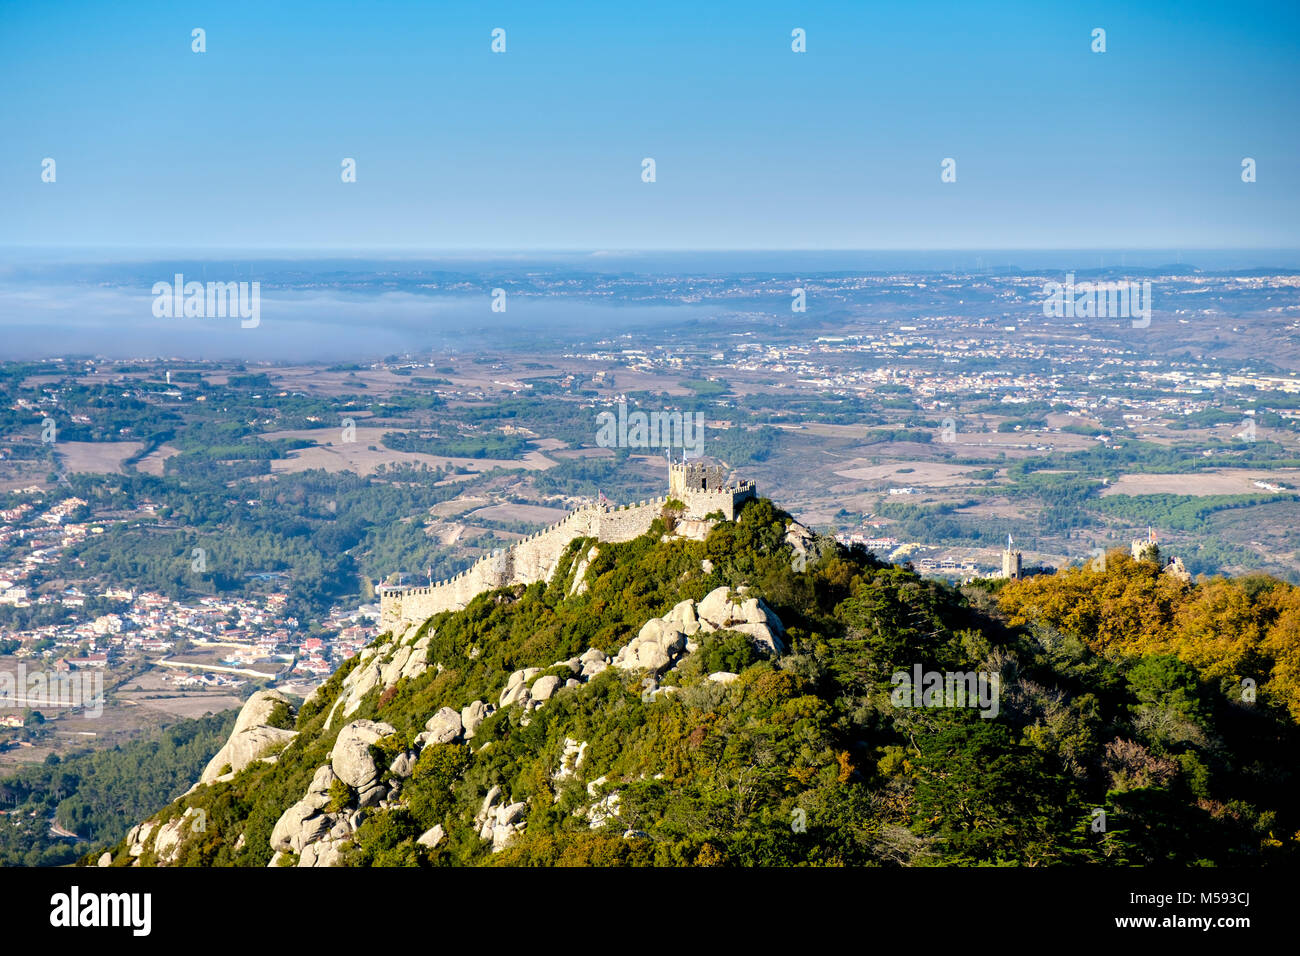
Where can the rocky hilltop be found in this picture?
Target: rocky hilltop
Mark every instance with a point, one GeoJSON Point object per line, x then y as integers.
{"type": "Point", "coordinates": [360, 777]}
{"type": "Point", "coordinates": [314, 831]}
{"type": "Point", "coordinates": [726, 693]}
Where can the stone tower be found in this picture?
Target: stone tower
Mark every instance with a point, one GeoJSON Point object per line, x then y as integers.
{"type": "Point", "coordinates": [1146, 549]}
{"type": "Point", "coordinates": [1011, 562]}
{"type": "Point", "coordinates": [704, 489]}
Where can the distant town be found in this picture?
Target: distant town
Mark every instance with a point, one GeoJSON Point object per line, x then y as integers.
{"type": "Point", "coordinates": [257, 638]}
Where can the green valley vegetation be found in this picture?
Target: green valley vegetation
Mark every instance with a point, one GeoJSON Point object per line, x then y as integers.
{"type": "Point", "coordinates": [1179, 512]}
{"type": "Point", "coordinates": [1141, 720]}
{"type": "Point", "coordinates": [99, 794]}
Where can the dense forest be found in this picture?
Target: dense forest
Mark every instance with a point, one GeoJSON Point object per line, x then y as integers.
{"type": "Point", "coordinates": [99, 794]}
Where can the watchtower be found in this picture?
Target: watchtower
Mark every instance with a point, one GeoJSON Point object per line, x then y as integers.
{"type": "Point", "coordinates": [1146, 549]}
{"type": "Point", "coordinates": [1011, 562]}
{"type": "Point", "coordinates": [704, 489]}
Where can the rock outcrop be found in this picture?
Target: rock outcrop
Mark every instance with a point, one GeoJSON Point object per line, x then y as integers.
{"type": "Point", "coordinates": [718, 611]}
{"type": "Point", "coordinates": [307, 821]}
{"type": "Point", "coordinates": [382, 666]}
{"type": "Point", "coordinates": [663, 641]}
{"type": "Point", "coordinates": [499, 820]}
{"type": "Point", "coordinates": [471, 715]}
{"type": "Point", "coordinates": [443, 727]}
{"type": "Point", "coordinates": [570, 760]}
{"type": "Point", "coordinates": [352, 762]}
{"type": "Point", "coordinates": [432, 837]}
{"type": "Point", "coordinates": [251, 736]}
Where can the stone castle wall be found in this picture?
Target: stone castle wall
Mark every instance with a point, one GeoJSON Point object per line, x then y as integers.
{"type": "Point", "coordinates": [533, 559]}
{"type": "Point", "coordinates": [727, 500]}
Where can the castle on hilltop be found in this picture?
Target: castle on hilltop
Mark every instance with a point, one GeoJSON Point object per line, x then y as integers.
{"type": "Point", "coordinates": [1148, 549]}
{"type": "Point", "coordinates": [704, 492]}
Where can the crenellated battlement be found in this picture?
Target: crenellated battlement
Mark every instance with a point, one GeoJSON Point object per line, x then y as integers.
{"type": "Point", "coordinates": [702, 490]}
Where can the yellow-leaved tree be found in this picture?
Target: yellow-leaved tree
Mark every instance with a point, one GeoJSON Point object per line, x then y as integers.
{"type": "Point", "coordinates": [1229, 629]}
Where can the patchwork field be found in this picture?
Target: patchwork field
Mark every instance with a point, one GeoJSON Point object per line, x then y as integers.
{"type": "Point", "coordinates": [154, 462]}
{"type": "Point", "coordinates": [1225, 481]}
{"type": "Point", "coordinates": [97, 457]}
{"type": "Point", "coordinates": [903, 473]}
{"type": "Point", "coordinates": [367, 453]}
{"type": "Point", "coordinates": [536, 514]}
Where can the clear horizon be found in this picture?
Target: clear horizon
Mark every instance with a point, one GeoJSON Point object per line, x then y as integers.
{"type": "Point", "coordinates": [1207, 257]}
{"type": "Point", "coordinates": [756, 146]}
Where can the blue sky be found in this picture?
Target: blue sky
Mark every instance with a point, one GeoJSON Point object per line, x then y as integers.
{"type": "Point", "coordinates": [756, 147]}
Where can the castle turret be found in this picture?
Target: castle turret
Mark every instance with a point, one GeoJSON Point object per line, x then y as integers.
{"type": "Point", "coordinates": [704, 489]}
{"type": "Point", "coordinates": [1146, 549]}
{"type": "Point", "coordinates": [1178, 571]}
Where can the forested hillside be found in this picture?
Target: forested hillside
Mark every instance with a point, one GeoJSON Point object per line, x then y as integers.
{"type": "Point", "coordinates": [1138, 721]}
